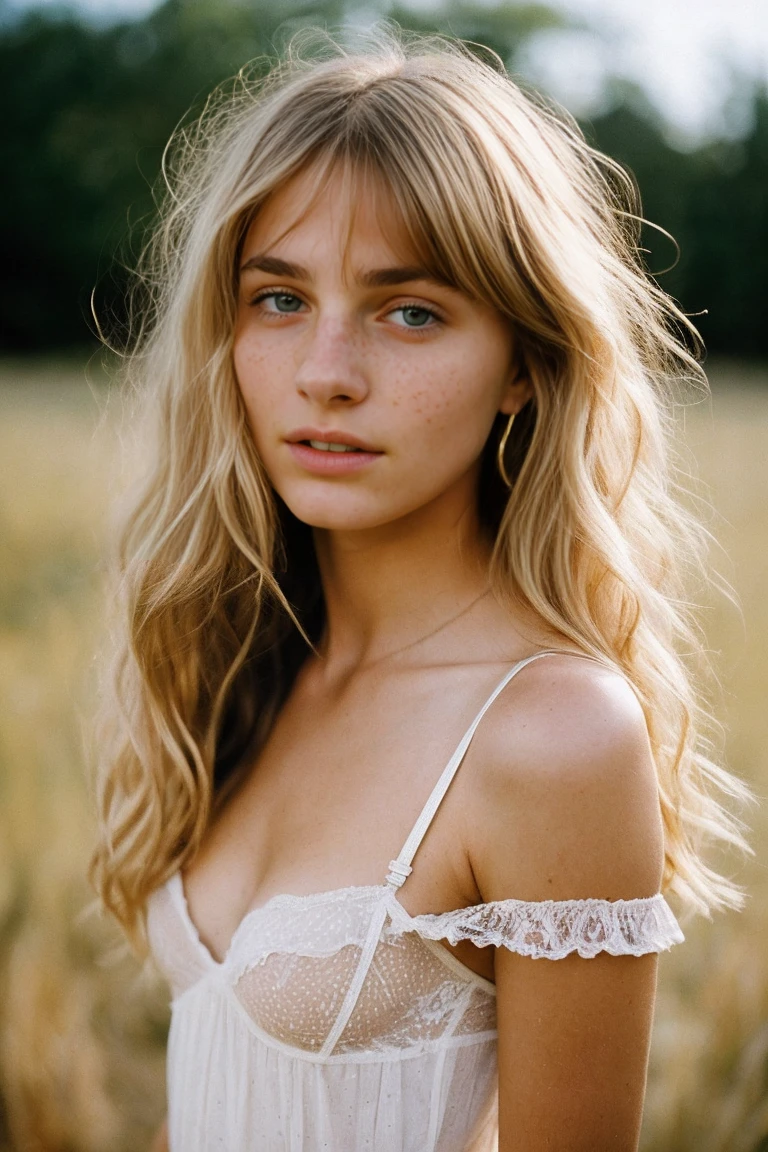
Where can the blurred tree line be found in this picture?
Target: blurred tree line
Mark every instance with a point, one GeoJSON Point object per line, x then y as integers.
{"type": "Point", "coordinates": [87, 110]}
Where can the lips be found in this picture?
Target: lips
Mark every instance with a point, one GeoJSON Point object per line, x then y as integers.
{"type": "Point", "coordinates": [330, 440]}
{"type": "Point", "coordinates": [330, 452]}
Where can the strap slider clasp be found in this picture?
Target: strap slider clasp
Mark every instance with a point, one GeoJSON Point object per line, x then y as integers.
{"type": "Point", "coordinates": [398, 873]}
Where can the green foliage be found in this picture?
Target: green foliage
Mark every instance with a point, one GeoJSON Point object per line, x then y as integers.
{"type": "Point", "coordinates": [503, 28]}
{"type": "Point", "coordinates": [88, 114]}
{"type": "Point", "coordinates": [713, 203]}
{"type": "Point", "coordinates": [88, 111]}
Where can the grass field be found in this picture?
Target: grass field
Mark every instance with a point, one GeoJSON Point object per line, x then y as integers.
{"type": "Point", "coordinates": [82, 1031]}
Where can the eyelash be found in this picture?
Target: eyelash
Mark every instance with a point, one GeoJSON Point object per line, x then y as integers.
{"type": "Point", "coordinates": [269, 293]}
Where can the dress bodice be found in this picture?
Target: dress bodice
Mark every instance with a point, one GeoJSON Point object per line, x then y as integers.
{"type": "Point", "coordinates": [339, 1021]}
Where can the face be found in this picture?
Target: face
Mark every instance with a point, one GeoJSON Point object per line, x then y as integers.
{"type": "Point", "coordinates": [370, 388]}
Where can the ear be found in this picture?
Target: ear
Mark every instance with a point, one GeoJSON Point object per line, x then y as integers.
{"type": "Point", "coordinates": [517, 392]}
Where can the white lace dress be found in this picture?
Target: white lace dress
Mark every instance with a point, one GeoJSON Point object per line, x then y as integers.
{"type": "Point", "coordinates": [337, 1021]}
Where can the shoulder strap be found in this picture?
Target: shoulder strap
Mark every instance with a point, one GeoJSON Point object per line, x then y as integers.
{"type": "Point", "coordinates": [400, 868]}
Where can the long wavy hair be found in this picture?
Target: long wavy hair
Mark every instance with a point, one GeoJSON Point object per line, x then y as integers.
{"type": "Point", "coordinates": [216, 585]}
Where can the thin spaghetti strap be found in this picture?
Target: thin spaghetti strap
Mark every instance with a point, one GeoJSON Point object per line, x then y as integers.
{"type": "Point", "coordinates": [400, 868]}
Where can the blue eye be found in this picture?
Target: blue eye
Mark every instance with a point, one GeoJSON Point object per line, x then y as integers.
{"type": "Point", "coordinates": [283, 301]}
{"type": "Point", "coordinates": [414, 316]}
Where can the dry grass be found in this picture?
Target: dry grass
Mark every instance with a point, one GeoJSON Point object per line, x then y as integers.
{"type": "Point", "coordinates": [81, 1036]}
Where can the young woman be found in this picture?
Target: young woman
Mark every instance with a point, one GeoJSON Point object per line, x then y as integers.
{"type": "Point", "coordinates": [410, 507]}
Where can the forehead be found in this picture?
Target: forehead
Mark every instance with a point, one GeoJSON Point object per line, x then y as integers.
{"type": "Point", "coordinates": [338, 205]}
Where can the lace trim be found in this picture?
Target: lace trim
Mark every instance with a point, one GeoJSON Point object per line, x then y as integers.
{"type": "Point", "coordinates": [554, 928]}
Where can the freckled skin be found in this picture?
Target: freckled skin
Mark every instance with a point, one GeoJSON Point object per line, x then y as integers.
{"type": "Point", "coordinates": [346, 357]}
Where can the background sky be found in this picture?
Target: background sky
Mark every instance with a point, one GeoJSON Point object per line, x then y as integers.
{"type": "Point", "coordinates": [682, 53]}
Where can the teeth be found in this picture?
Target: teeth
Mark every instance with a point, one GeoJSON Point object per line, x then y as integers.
{"type": "Point", "coordinates": [323, 446]}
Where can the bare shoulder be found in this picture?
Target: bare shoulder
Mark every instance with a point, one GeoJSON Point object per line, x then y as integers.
{"type": "Point", "coordinates": [565, 797]}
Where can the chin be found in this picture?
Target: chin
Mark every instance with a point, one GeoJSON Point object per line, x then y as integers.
{"type": "Point", "coordinates": [336, 511]}
{"type": "Point", "coordinates": [334, 520]}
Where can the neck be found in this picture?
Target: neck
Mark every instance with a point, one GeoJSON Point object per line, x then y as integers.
{"type": "Point", "coordinates": [390, 586]}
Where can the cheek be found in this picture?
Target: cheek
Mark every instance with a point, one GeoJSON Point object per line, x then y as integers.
{"type": "Point", "coordinates": [258, 375]}
{"type": "Point", "coordinates": [453, 400]}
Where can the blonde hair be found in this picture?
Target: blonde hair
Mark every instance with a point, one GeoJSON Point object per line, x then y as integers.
{"type": "Point", "coordinates": [501, 195]}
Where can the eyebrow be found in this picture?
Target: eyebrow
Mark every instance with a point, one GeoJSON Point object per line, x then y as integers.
{"type": "Point", "coordinates": [375, 278]}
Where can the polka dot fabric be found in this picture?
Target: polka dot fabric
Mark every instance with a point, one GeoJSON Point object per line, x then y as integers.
{"type": "Point", "coordinates": [339, 1022]}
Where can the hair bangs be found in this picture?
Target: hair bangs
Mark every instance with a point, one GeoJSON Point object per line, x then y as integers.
{"type": "Point", "coordinates": [501, 197]}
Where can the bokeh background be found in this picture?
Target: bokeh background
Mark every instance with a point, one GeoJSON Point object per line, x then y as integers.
{"type": "Point", "coordinates": [675, 89]}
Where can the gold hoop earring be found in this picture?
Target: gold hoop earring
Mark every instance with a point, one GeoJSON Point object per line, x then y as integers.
{"type": "Point", "coordinates": [500, 452]}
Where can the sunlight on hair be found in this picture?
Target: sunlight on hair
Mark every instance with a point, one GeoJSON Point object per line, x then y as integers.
{"type": "Point", "coordinates": [500, 194]}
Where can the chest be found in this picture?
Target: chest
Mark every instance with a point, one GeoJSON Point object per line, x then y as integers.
{"type": "Point", "coordinates": [332, 797]}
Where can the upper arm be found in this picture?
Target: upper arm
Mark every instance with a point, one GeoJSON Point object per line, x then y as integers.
{"type": "Point", "coordinates": [569, 809]}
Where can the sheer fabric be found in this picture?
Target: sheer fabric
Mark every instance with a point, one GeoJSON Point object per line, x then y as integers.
{"type": "Point", "coordinates": [337, 1021]}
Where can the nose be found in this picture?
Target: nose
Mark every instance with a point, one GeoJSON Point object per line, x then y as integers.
{"type": "Point", "coordinates": [330, 368]}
